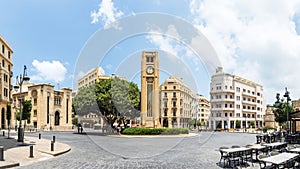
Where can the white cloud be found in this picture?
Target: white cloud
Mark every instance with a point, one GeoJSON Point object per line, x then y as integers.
{"type": "Point", "coordinates": [46, 71]}
{"type": "Point", "coordinates": [108, 14]}
{"type": "Point", "coordinates": [158, 38]}
{"type": "Point", "coordinates": [108, 66]}
{"type": "Point", "coordinates": [256, 40]}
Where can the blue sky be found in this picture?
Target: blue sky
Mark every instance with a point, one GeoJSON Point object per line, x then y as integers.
{"type": "Point", "coordinates": [256, 40]}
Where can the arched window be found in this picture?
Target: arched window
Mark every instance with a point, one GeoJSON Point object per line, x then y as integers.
{"type": "Point", "coordinates": [57, 118]}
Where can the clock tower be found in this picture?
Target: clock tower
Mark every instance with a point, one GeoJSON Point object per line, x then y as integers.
{"type": "Point", "coordinates": [150, 90]}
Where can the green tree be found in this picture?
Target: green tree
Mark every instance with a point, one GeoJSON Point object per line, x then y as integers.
{"type": "Point", "coordinates": [113, 99]}
{"type": "Point", "coordinates": [280, 109]}
{"type": "Point", "coordinates": [238, 124]}
{"type": "Point", "coordinates": [8, 114]}
{"type": "Point", "coordinates": [252, 124]}
{"type": "Point", "coordinates": [192, 123]}
{"type": "Point", "coordinates": [26, 109]}
{"type": "Point", "coordinates": [86, 101]}
{"type": "Point", "coordinates": [8, 117]}
{"type": "Point", "coordinates": [75, 121]}
{"type": "Point", "coordinates": [117, 99]}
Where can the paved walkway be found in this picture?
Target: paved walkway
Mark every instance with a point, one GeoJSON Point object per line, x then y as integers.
{"type": "Point", "coordinates": [17, 154]}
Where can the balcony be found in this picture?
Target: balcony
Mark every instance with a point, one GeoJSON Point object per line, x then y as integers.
{"type": "Point", "coordinates": [228, 108]}
{"type": "Point", "coordinates": [249, 111]}
{"type": "Point", "coordinates": [174, 98]}
{"type": "Point", "coordinates": [249, 103]}
{"type": "Point", "coordinates": [11, 73]}
{"type": "Point", "coordinates": [223, 100]}
{"type": "Point", "coordinates": [249, 94]}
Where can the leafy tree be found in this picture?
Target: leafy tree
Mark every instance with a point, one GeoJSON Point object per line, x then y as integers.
{"type": "Point", "coordinates": [8, 114]}
{"type": "Point", "coordinates": [193, 123]}
{"type": "Point", "coordinates": [252, 124]}
{"type": "Point", "coordinates": [8, 117]}
{"type": "Point", "coordinates": [280, 110]}
{"type": "Point", "coordinates": [117, 99]}
{"type": "Point", "coordinates": [238, 124]}
{"type": "Point", "coordinates": [86, 101]}
{"type": "Point", "coordinates": [26, 109]}
{"type": "Point", "coordinates": [75, 121]}
{"type": "Point", "coordinates": [113, 99]}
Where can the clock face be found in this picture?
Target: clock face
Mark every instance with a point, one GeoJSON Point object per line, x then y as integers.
{"type": "Point", "coordinates": [150, 70]}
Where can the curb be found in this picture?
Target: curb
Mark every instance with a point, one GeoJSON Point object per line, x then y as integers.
{"type": "Point", "coordinates": [9, 165]}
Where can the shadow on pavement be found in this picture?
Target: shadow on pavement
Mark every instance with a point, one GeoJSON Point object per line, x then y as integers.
{"type": "Point", "coordinates": [8, 143]}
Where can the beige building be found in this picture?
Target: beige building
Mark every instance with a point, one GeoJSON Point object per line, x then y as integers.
{"type": "Point", "coordinates": [295, 117]}
{"type": "Point", "coordinates": [235, 99]}
{"type": "Point", "coordinates": [203, 112]}
{"type": "Point", "coordinates": [89, 120]}
{"type": "Point", "coordinates": [51, 109]}
{"type": "Point", "coordinates": [91, 77]}
{"type": "Point", "coordinates": [296, 104]}
{"type": "Point", "coordinates": [269, 118]}
{"type": "Point", "coordinates": [150, 90]}
{"type": "Point", "coordinates": [176, 108]}
{"type": "Point", "coordinates": [5, 79]}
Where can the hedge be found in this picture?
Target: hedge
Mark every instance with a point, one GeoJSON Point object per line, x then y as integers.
{"type": "Point", "coordinates": [155, 131]}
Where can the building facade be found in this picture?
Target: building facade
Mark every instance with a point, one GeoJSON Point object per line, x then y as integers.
{"type": "Point", "coordinates": [269, 118]}
{"type": "Point", "coordinates": [89, 120]}
{"type": "Point", "coordinates": [296, 104]}
{"type": "Point", "coordinates": [203, 112]}
{"type": "Point", "coordinates": [235, 102]}
{"type": "Point", "coordinates": [177, 103]}
{"type": "Point", "coordinates": [91, 77]}
{"type": "Point", "coordinates": [150, 90]}
{"type": "Point", "coordinates": [51, 109]}
{"type": "Point", "coordinates": [5, 79]}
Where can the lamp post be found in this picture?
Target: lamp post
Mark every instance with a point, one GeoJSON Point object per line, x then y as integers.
{"type": "Point", "coordinates": [19, 82]}
{"type": "Point", "coordinates": [287, 109]}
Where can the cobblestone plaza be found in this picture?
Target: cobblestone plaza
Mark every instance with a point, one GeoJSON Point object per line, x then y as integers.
{"type": "Point", "coordinates": [96, 151]}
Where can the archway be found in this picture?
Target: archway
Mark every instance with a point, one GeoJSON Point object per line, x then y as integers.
{"type": "Point", "coordinates": [57, 118]}
{"type": "Point", "coordinates": [165, 123]}
{"type": "Point", "coordinates": [2, 118]}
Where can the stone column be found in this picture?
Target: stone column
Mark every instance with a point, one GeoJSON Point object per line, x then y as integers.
{"type": "Point", "coordinates": [170, 122]}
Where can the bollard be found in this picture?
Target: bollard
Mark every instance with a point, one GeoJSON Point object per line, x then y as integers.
{"type": "Point", "coordinates": [3, 133]}
{"type": "Point", "coordinates": [52, 146]}
{"type": "Point", "coordinates": [31, 151]}
{"type": "Point", "coordinates": [1, 153]}
{"type": "Point", "coordinates": [53, 139]}
{"type": "Point", "coordinates": [40, 135]}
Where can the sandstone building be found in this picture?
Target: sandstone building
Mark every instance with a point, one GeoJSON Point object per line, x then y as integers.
{"type": "Point", "coordinates": [6, 74]}
{"type": "Point", "coordinates": [51, 109]}
{"type": "Point", "coordinates": [178, 103]}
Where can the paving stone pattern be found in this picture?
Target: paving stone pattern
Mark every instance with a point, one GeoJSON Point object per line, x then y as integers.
{"type": "Point", "coordinates": [114, 152]}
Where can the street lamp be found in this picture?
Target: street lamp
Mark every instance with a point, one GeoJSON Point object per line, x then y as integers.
{"type": "Point", "coordinates": [19, 82]}
{"type": "Point", "coordinates": [287, 110]}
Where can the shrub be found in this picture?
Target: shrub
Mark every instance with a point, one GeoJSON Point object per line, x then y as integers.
{"type": "Point", "coordinates": [155, 131]}
{"type": "Point", "coordinates": [176, 131]}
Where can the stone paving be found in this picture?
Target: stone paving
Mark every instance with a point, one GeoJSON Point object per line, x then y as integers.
{"type": "Point", "coordinates": [117, 152]}
{"type": "Point", "coordinates": [18, 153]}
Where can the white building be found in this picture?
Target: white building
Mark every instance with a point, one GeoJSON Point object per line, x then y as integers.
{"type": "Point", "coordinates": [235, 100]}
